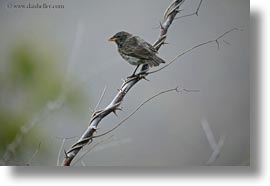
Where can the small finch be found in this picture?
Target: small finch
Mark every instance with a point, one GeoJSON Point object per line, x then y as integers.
{"type": "Point", "coordinates": [135, 50]}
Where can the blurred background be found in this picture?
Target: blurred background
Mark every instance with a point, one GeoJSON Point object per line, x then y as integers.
{"type": "Point", "coordinates": [55, 63]}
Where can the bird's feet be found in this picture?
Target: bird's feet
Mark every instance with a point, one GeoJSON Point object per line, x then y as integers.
{"type": "Point", "coordinates": [132, 76]}
{"type": "Point", "coordinates": [140, 75]}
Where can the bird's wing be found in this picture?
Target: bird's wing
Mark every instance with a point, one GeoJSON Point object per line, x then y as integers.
{"type": "Point", "coordinates": [144, 43]}
{"type": "Point", "coordinates": [137, 47]}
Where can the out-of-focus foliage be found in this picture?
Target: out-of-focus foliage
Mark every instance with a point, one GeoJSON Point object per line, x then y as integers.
{"type": "Point", "coordinates": [30, 79]}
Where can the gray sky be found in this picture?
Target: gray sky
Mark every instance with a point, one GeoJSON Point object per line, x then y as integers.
{"type": "Point", "coordinates": [167, 131]}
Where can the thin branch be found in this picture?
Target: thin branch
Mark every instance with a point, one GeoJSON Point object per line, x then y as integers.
{"type": "Point", "coordinates": [194, 13]}
{"type": "Point", "coordinates": [62, 146]}
{"type": "Point", "coordinates": [67, 138]}
{"type": "Point", "coordinates": [216, 147]}
{"type": "Point", "coordinates": [90, 149]}
{"type": "Point", "coordinates": [216, 152]}
{"type": "Point", "coordinates": [34, 155]}
{"type": "Point", "coordinates": [101, 97]}
{"type": "Point", "coordinates": [60, 150]}
{"type": "Point", "coordinates": [132, 113]}
{"type": "Point", "coordinates": [193, 48]}
{"type": "Point", "coordinates": [188, 90]}
{"type": "Point", "coordinates": [12, 147]}
{"type": "Point", "coordinates": [97, 116]}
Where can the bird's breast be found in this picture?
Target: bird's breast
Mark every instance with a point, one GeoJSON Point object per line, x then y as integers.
{"type": "Point", "coordinates": [131, 60]}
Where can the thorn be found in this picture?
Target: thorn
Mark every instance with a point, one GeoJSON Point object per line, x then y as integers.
{"type": "Point", "coordinates": [143, 77]}
{"type": "Point", "coordinates": [118, 108]}
{"type": "Point", "coordinates": [114, 111]}
{"type": "Point", "coordinates": [161, 26]}
{"type": "Point", "coordinates": [217, 44]}
{"type": "Point", "coordinates": [90, 141]}
{"type": "Point", "coordinates": [66, 155]}
{"type": "Point", "coordinates": [131, 78]}
{"type": "Point", "coordinates": [94, 114]}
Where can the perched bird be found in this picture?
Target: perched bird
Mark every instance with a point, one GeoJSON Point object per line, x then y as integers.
{"type": "Point", "coordinates": [135, 50]}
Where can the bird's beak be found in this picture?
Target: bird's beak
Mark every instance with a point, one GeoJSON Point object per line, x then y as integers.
{"type": "Point", "coordinates": [112, 39]}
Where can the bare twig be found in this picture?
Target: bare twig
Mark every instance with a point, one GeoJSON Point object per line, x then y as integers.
{"type": "Point", "coordinates": [62, 146]}
{"type": "Point", "coordinates": [12, 147]}
{"type": "Point", "coordinates": [216, 147]}
{"type": "Point", "coordinates": [149, 99]}
{"type": "Point", "coordinates": [60, 150]}
{"type": "Point", "coordinates": [132, 113]}
{"type": "Point", "coordinates": [101, 97]}
{"type": "Point", "coordinates": [90, 149]}
{"type": "Point", "coordinates": [97, 116]}
{"type": "Point", "coordinates": [194, 13]}
{"type": "Point", "coordinates": [168, 18]}
{"type": "Point", "coordinates": [34, 155]}
{"type": "Point", "coordinates": [188, 90]}
{"type": "Point", "coordinates": [193, 48]}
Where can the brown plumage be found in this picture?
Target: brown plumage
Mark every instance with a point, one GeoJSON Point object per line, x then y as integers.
{"type": "Point", "coordinates": [135, 50]}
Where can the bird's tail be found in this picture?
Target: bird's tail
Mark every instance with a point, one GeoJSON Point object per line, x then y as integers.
{"type": "Point", "coordinates": [155, 61]}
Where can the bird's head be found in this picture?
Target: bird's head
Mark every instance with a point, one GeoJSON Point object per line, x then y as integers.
{"type": "Point", "coordinates": [120, 37]}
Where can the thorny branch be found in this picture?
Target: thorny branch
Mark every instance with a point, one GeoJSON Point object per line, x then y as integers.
{"type": "Point", "coordinates": [90, 149]}
{"type": "Point", "coordinates": [97, 116]}
{"type": "Point", "coordinates": [61, 148]}
{"type": "Point", "coordinates": [168, 18]}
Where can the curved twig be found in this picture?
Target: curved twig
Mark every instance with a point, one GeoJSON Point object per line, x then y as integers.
{"type": "Point", "coordinates": [97, 116]}
{"type": "Point", "coordinates": [101, 97]}
{"type": "Point", "coordinates": [94, 146]}
{"type": "Point", "coordinates": [132, 113]}
{"type": "Point", "coordinates": [194, 13]}
{"type": "Point", "coordinates": [193, 48]}
{"type": "Point", "coordinates": [34, 155]}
